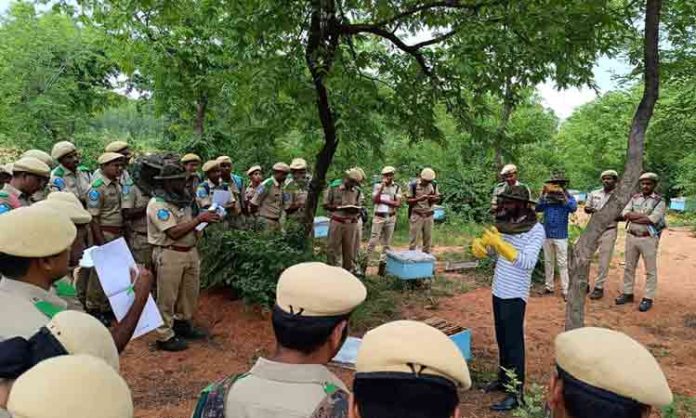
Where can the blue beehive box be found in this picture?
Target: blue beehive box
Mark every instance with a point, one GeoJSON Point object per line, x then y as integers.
{"type": "Point", "coordinates": [579, 196]}
{"type": "Point", "coordinates": [410, 265]}
{"type": "Point", "coordinates": [321, 227]}
{"type": "Point", "coordinates": [678, 204]}
{"type": "Point", "coordinates": [438, 213]}
{"type": "Point", "coordinates": [460, 336]}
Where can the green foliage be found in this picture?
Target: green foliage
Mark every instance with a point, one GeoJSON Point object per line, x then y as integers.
{"type": "Point", "coordinates": [249, 261]}
{"type": "Point", "coordinates": [535, 397]}
{"type": "Point", "coordinates": [683, 406]}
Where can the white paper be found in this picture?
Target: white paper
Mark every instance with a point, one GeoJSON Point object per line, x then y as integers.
{"type": "Point", "coordinates": [382, 208]}
{"type": "Point", "coordinates": [222, 197]}
{"type": "Point", "coordinates": [217, 208]}
{"type": "Point", "coordinates": [113, 262]}
{"type": "Point", "coordinates": [86, 260]}
{"type": "Point", "coordinates": [348, 354]}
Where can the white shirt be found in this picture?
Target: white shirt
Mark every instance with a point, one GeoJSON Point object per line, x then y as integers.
{"type": "Point", "coordinates": [512, 279]}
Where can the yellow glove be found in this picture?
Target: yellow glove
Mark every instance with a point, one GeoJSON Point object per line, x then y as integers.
{"type": "Point", "coordinates": [478, 249]}
{"type": "Point", "coordinates": [493, 238]}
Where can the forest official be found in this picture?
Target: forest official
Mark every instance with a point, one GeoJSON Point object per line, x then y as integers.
{"type": "Point", "coordinates": [386, 196]}
{"type": "Point", "coordinates": [269, 199]}
{"type": "Point", "coordinates": [29, 176]}
{"type": "Point", "coordinates": [422, 196]}
{"type": "Point", "coordinates": [69, 175]}
{"type": "Point", "coordinates": [296, 189]}
{"type": "Point", "coordinates": [510, 176]}
{"type": "Point", "coordinates": [344, 200]}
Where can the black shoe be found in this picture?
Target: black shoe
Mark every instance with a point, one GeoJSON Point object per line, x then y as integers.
{"type": "Point", "coordinates": [508, 404]}
{"type": "Point", "coordinates": [494, 386]}
{"type": "Point", "coordinates": [597, 293]}
{"type": "Point", "coordinates": [645, 305]}
{"type": "Point", "coordinates": [173, 344]}
{"type": "Point", "coordinates": [186, 330]}
{"type": "Point", "coordinates": [382, 268]}
{"type": "Point", "coordinates": [623, 299]}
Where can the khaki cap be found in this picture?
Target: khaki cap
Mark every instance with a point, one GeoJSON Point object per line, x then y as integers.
{"type": "Point", "coordinates": [394, 346]}
{"type": "Point", "coordinates": [39, 155]}
{"type": "Point", "coordinates": [316, 289]}
{"type": "Point", "coordinates": [298, 164]}
{"type": "Point", "coordinates": [116, 146]}
{"type": "Point", "coordinates": [35, 232]}
{"type": "Point", "coordinates": [80, 333]}
{"type": "Point", "coordinates": [187, 158]}
{"type": "Point", "coordinates": [428, 174]}
{"type": "Point", "coordinates": [649, 176]}
{"type": "Point", "coordinates": [509, 168]}
{"type": "Point", "coordinates": [252, 169]}
{"type": "Point", "coordinates": [281, 166]}
{"type": "Point", "coordinates": [61, 149]}
{"type": "Point", "coordinates": [77, 214]}
{"type": "Point", "coordinates": [31, 165]}
{"type": "Point", "coordinates": [209, 165]}
{"type": "Point", "coordinates": [108, 157]}
{"type": "Point", "coordinates": [613, 361]}
{"type": "Point", "coordinates": [75, 386]}
{"type": "Point", "coordinates": [6, 168]}
{"type": "Point", "coordinates": [611, 173]}
{"type": "Point", "coordinates": [224, 159]}
{"type": "Point", "coordinates": [388, 170]}
{"type": "Point", "coordinates": [354, 174]}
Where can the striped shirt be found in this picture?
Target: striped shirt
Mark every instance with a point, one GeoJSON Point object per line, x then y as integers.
{"type": "Point", "coordinates": [513, 279]}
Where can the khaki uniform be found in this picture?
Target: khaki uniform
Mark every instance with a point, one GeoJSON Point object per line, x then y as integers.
{"type": "Point", "coordinates": [24, 308]}
{"type": "Point", "coordinates": [11, 198]}
{"type": "Point", "coordinates": [500, 188]}
{"type": "Point", "coordinates": [104, 203]}
{"type": "Point", "coordinates": [640, 241]}
{"type": "Point", "coordinates": [205, 191]}
{"type": "Point", "coordinates": [270, 200]}
{"type": "Point", "coordinates": [77, 183]}
{"type": "Point", "coordinates": [135, 198]}
{"type": "Point", "coordinates": [384, 219]}
{"type": "Point", "coordinates": [125, 176]}
{"type": "Point", "coordinates": [344, 229]}
{"type": "Point", "coordinates": [421, 221]}
{"type": "Point", "coordinates": [296, 194]}
{"type": "Point", "coordinates": [274, 389]}
{"type": "Point", "coordinates": [596, 200]}
{"type": "Point", "coordinates": [176, 264]}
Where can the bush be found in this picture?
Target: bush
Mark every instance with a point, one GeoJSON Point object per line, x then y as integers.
{"type": "Point", "coordinates": [251, 261]}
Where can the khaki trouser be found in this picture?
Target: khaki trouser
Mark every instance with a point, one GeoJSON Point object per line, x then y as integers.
{"type": "Point", "coordinates": [141, 249]}
{"type": "Point", "coordinates": [635, 247]}
{"type": "Point", "coordinates": [178, 283]}
{"type": "Point", "coordinates": [606, 250]}
{"type": "Point", "coordinates": [382, 231]}
{"type": "Point", "coordinates": [342, 241]}
{"type": "Point", "coordinates": [556, 250]}
{"type": "Point", "coordinates": [96, 300]}
{"type": "Point", "coordinates": [421, 227]}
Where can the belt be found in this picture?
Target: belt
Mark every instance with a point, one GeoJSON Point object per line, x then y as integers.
{"type": "Point", "coordinates": [610, 228]}
{"type": "Point", "coordinates": [424, 214]}
{"type": "Point", "coordinates": [344, 220]}
{"type": "Point", "coordinates": [111, 229]}
{"type": "Point", "coordinates": [270, 218]}
{"type": "Point", "coordinates": [639, 234]}
{"type": "Point", "coordinates": [178, 248]}
{"type": "Point", "coordinates": [383, 215]}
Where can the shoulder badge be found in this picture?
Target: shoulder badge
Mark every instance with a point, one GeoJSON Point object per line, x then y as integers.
{"type": "Point", "coordinates": [98, 182]}
{"type": "Point", "coordinates": [59, 183]}
{"type": "Point", "coordinates": [4, 208]}
{"type": "Point", "coordinates": [59, 171]}
{"type": "Point", "coordinates": [83, 168]}
{"type": "Point", "coordinates": [267, 182]}
{"type": "Point", "coordinates": [201, 192]}
{"type": "Point", "coordinates": [65, 289]}
{"type": "Point", "coordinates": [163, 214]}
{"type": "Point", "coordinates": [125, 189]}
{"type": "Point", "coordinates": [4, 194]}
{"type": "Point", "coordinates": [336, 183]}
{"type": "Point", "coordinates": [159, 199]}
{"type": "Point", "coordinates": [93, 198]}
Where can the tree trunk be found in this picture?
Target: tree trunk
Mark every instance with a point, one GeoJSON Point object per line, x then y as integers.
{"type": "Point", "coordinates": [508, 107]}
{"type": "Point", "coordinates": [582, 252]}
{"type": "Point", "coordinates": [201, 107]}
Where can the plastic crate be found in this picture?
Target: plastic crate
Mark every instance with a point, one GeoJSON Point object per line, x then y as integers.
{"type": "Point", "coordinates": [678, 204]}
{"type": "Point", "coordinates": [580, 197]}
{"type": "Point", "coordinates": [438, 213]}
{"type": "Point", "coordinates": [410, 270]}
{"type": "Point", "coordinates": [321, 227]}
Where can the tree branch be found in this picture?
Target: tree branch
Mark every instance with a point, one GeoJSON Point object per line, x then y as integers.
{"type": "Point", "coordinates": [446, 4]}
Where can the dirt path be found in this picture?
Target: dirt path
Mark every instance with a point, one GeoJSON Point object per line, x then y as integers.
{"type": "Point", "coordinates": [166, 385]}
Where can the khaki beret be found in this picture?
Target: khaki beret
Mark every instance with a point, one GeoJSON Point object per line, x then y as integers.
{"type": "Point", "coordinates": [298, 164]}
{"type": "Point", "coordinates": [39, 155]}
{"type": "Point", "coordinates": [281, 166]}
{"type": "Point", "coordinates": [75, 386]}
{"type": "Point", "coordinates": [77, 214]}
{"type": "Point", "coordinates": [224, 159]}
{"type": "Point", "coordinates": [31, 165]}
{"type": "Point", "coordinates": [388, 170]}
{"type": "Point", "coordinates": [318, 290]}
{"type": "Point", "coordinates": [108, 157]}
{"type": "Point", "coordinates": [61, 149]}
{"type": "Point", "coordinates": [509, 168]}
{"type": "Point", "coordinates": [611, 173]}
{"type": "Point", "coordinates": [393, 346]}
{"type": "Point", "coordinates": [650, 176]}
{"type": "Point", "coordinates": [209, 165]}
{"type": "Point", "coordinates": [188, 158]}
{"type": "Point", "coordinates": [354, 174]}
{"type": "Point", "coordinates": [613, 361]}
{"type": "Point", "coordinates": [35, 232]}
{"type": "Point", "coordinates": [252, 169]}
{"type": "Point", "coordinates": [80, 333]}
{"type": "Point", "coordinates": [428, 174]}
{"type": "Point", "coordinates": [116, 146]}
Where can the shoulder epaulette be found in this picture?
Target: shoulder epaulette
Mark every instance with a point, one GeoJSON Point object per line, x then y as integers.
{"type": "Point", "coordinates": [98, 182]}
{"type": "Point", "coordinates": [4, 194]}
{"type": "Point", "coordinates": [48, 309]}
{"type": "Point", "coordinates": [58, 171]}
{"type": "Point", "coordinates": [267, 182]}
{"type": "Point", "coordinates": [159, 199]}
{"type": "Point", "coordinates": [83, 168]}
{"type": "Point", "coordinates": [336, 183]}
